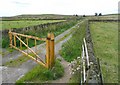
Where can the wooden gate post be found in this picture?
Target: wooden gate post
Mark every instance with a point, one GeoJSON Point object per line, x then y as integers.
{"type": "Point", "coordinates": [48, 51]}
{"type": "Point", "coordinates": [52, 56]}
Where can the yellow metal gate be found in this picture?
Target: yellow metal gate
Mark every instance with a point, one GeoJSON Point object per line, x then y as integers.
{"type": "Point", "coordinates": [50, 56]}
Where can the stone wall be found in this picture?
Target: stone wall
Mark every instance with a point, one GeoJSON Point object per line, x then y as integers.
{"type": "Point", "coordinates": [36, 27]}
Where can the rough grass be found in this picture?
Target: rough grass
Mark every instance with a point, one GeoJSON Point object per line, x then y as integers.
{"type": "Point", "coordinates": [56, 29]}
{"type": "Point", "coordinates": [41, 74]}
{"type": "Point", "coordinates": [72, 48]}
{"type": "Point", "coordinates": [24, 23]}
{"type": "Point", "coordinates": [105, 40]}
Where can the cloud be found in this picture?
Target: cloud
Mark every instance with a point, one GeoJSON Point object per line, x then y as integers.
{"type": "Point", "coordinates": [20, 3]}
{"type": "Point", "coordinates": [16, 7]}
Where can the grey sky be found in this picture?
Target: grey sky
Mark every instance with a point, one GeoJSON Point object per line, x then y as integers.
{"type": "Point", "coordinates": [67, 7]}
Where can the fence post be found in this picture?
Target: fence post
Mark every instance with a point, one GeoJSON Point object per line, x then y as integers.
{"type": "Point", "coordinates": [52, 56]}
{"type": "Point", "coordinates": [100, 74]}
{"type": "Point", "coordinates": [48, 51]}
{"type": "Point", "coordinates": [10, 37]}
{"type": "Point", "coordinates": [20, 44]}
{"type": "Point", "coordinates": [14, 40]}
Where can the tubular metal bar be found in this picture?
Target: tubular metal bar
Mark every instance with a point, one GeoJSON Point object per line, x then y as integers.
{"type": "Point", "coordinates": [29, 56]}
{"type": "Point", "coordinates": [28, 36]}
{"type": "Point", "coordinates": [86, 51]}
{"type": "Point", "coordinates": [30, 49]}
{"type": "Point", "coordinates": [84, 72]}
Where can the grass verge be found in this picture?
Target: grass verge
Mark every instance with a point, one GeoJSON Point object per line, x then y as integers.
{"type": "Point", "coordinates": [105, 41]}
{"type": "Point", "coordinates": [40, 74]}
{"type": "Point", "coordinates": [72, 48]}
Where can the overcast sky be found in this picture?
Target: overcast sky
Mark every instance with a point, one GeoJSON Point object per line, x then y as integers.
{"type": "Point", "coordinates": [67, 7]}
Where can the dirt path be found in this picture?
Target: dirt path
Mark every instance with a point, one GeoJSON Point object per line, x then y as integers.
{"type": "Point", "coordinates": [10, 74]}
{"type": "Point", "coordinates": [67, 70]}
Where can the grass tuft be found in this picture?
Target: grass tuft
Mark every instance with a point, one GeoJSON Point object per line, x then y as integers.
{"type": "Point", "coordinates": [41, 74]}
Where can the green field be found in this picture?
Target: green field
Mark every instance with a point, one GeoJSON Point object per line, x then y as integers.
{"type": "Point", "coordinates": [24, 23]}
{"type": "Point", "coordinates": [105, 41]}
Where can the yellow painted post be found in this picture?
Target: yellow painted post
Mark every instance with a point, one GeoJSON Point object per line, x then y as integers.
{"type": "Point", "coordinates": [52, 55]}
{"type": "Point", "coordinates": [48, 51]}
{"type": "Point", "coordinates": [20, 44]}
{"type": "Point", "coordinates": [14, 40]}
{"type": "Point", "coordinates": [10, 37]}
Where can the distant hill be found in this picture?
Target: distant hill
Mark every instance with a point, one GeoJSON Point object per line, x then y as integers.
{"type": "Point", "coordinates": [39, 17]}
{"type": "Point", "coordinates": [111, 14]}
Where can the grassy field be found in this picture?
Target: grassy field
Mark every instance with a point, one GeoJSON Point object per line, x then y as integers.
{"type": "Point", "coordinates": [24, 23]}
{"type": "Point", "coordinates": [41, 74]}
{"type": "Point", "coordinates": [105, 40]}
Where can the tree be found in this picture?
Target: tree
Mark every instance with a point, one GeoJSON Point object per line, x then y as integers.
{"type": "Point", "coordinates": [100, 14]}
{"type": "Point", "coordinates": [76, 15]}
{"type": "Point", "coordinates": [96, 14]}
{"type": "Point", "coordinates": [84, 16]}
